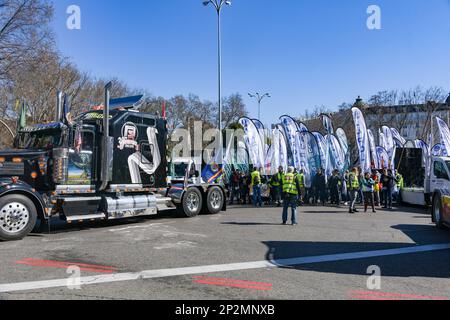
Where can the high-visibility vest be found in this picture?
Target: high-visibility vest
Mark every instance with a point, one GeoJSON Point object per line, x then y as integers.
{"type": "Point", "coordinates": [347, 181]}
{"type": "Point", "coordinates": [256, 178]}
{"type": "Point", "coordinates": [400, 183]}
{"type": "Point", "coordinates": [277, 182]}
{"type": "Point", "coordinates": [353, 181]}
{"type": "Point", "coordinates": [290, 184]}
{"type": "Point", "coordinates": [301, 180]}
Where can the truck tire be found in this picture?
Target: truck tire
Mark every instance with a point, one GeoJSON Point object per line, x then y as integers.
{"type": "Point", "coordinates": [18, 216]}
{"type": "Point", "coordinates": [215, 200]}
{"type": "Point", "coordinates": [437, 211]}
{"type": "Point", "coordinates": [192, 203]}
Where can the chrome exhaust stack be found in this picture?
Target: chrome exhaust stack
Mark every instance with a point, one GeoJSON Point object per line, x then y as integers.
{"type": "Point", "coordinates": [107, 143]}
{"type": "Point", "coordinates": [59, 107]}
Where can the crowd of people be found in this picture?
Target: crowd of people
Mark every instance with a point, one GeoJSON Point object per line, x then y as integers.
{"type": "Point", "coordinates": [372, 190]}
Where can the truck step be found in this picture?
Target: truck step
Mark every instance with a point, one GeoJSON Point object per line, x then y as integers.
{"type": "Point", "coordinates": [96, 216]}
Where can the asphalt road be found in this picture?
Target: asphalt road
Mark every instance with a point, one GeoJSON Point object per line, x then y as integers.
{"type": "Point", "coordinates": [227, 256]}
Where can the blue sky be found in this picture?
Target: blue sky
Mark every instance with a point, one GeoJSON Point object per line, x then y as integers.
{"type": "Point", "coordinates": [305, 53]}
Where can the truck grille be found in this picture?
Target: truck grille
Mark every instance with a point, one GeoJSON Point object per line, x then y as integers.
{"type": "Point", "coordinates": [12, 169]}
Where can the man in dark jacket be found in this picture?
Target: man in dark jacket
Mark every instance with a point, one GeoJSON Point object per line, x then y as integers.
{"type": "Point", "coordinates": [334, 184]}
{"type": "Point", "coordinates": [388, 180]}
{"type": "Point", "coordinates": [319, 186]}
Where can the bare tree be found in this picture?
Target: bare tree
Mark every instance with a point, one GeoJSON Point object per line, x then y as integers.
{"type": "Point", "coordinates": [23, 30]}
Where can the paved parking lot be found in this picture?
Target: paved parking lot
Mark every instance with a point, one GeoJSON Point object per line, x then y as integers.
{"type": "Point", "coordinates": [242, 254]}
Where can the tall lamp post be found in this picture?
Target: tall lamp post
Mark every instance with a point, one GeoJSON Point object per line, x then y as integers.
{"type": "Point", "coordinates": [218, 5]}
{"type": "Point", "coordinates": [259, 98]}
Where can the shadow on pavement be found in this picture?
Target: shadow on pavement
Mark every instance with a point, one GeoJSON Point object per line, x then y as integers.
{"type": "Point", "coordinates": [59, 226]}
{"type": "Point", "coordinates": [251, 224]}
{"type": "Point", "coordinates": [426, 264]}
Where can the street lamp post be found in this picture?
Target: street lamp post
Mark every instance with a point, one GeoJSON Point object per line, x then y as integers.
{"type": "Point", "coordinates": [218, 5]}
{"type": "Point", "coordinates": [259, 98]}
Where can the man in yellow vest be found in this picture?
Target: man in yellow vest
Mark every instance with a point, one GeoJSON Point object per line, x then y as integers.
{"type": "Point", "coordinates": [276, 186]}
{"type": "Point", "coordinates": [353, 185]}
{"type": "Point", "coordinates": [290, 192]}
{"type": "Point", "coordinates": [256, 185]}
{"type": "Point", "coordinates": [301, 183]}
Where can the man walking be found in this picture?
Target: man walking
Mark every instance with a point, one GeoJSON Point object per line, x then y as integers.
{"type": "Point", "coordinates": [388, 181]}
{"type": "Point", "coordinates": [334, 186]}
{"type": "Point", "coordinates": [277, 188]}
{"type": "Point", "coordinates": [256, 184]}
{"type": "Point", "coordinates": [320, 187]}
{"type": "Point", "coordinates": [354, 187]}
{"type": "Point", "coordinates": [290, 192]}
{"type": "Point", "coordinates": [301, 182]}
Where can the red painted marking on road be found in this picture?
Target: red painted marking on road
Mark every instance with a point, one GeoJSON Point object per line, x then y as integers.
{"type": "Point", "coordinates": [64, 265]}
{"type": "Point", "coordinates": [374, 295]}
{"type": "Point", "coordinates": [241, 284]}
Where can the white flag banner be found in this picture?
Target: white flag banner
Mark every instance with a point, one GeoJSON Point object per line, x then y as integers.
{"type": "Point", "coordinates": [302, 127]}
{"type": "Point", "coordinates": [283, 150]}
{"type": "Point", "coordinates": [290, 130]}
{"type": "Point", "coordinates": [323, 150]}
{"type": "Point", "coordinates": [327, 123]}
{"type": "Point", "coordinates": [373, 149]}
{"type": "Point", "coordinates": [362, 139]}
{"type": "Point", "coordinates": [390, 146]}
{"type": "Point", "coordinates": [383, 158]}
{"type": "Point", "coordinates": [444, 134]}
{"type": "Point", "coordinates": [275, 150]}
{"type": "Point", "coordinates": [254, 144]}
{"type": "Point", "coordinates": [312, 155]}
{"type": "Point", "coordinates": [398, 138]}
{"type": "Point", "coordinates": [262, 134]}
{"type": "Point", "coordinates": [420, 144]}
{"type": "Point", "coordinates": [303, 153]}
{"type": "Point", "coordinates": [343, 140]}
{"type": "Point", "coordinates": [382, 139]}
{"type": "Point", "coordinates": [337, 156]}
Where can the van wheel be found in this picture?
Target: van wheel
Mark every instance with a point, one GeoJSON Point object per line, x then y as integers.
{"type": "Point", "coordinates": [18, 216]}
{"type": "Point", "coordinates": [192, 203]}
{"type": "Point", "coordinates": [215, 200]}
{"type": "Point", "coordinates": [437, 212]}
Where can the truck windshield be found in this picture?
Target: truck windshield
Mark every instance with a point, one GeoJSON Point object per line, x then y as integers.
{"type": "Point", "coordinates": [448, 165]}
{"type": "Point", "coordinates": [179, 170]}
{"type": "Point", "coordinates": [38, 140]}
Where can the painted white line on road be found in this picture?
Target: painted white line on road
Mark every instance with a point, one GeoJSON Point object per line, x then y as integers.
{"type": "Point", "coordinates": [165, 273]}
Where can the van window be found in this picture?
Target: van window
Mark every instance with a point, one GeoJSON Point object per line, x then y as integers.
{"type": "Point", "coordinates": [440, 171]}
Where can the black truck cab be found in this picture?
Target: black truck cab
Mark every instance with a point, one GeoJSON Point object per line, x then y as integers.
{"type": "Point", "coordinates": [107, 164]}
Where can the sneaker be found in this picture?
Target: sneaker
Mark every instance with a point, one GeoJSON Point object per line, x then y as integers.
{"type": "Point", "coordinates": [284, 223]}
{"type": "Point", "coordinates": [295, 224]}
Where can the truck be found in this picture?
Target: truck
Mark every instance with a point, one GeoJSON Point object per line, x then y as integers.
{"type": "Point", "coordinates": [109, 163]}
{"type": "Point", "coordinates": [427, 183]}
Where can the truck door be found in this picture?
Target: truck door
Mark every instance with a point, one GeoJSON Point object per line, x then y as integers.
{"type": "Point", "coordinates": [81, 159]}
{"type": "Point", "coordinates": [440, 178]}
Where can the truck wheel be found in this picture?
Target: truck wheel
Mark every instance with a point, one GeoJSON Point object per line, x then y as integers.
{"type": "Point", "coordinates": [437, 212]}
{"type": "Point", "coordinates": [192, 203]}
{"type": "Point", "coordinates": [18, 217]}
{"type": "Point", "coordinates": [215, 200]}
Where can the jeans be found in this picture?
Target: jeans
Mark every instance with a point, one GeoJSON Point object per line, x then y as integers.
{"type": "Point", "coordinates": [257, 200]}
{"type": "Point", "coordinates": [369, 200]}
{"type": "Point", "coordinates": [387, 196]}
{"type": "Point", "coordinates": [235, 194]}
{"type": "Point", "coordinates": [276, 195]}
{"type": "Point", "coordinates": [353, 197]}
{"type": "Point", "coordinates": [290, 200]}
{"type": "Point", "coordinates": [335, 198]}
{"type": "Point", "coordinates": [244, 195]}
